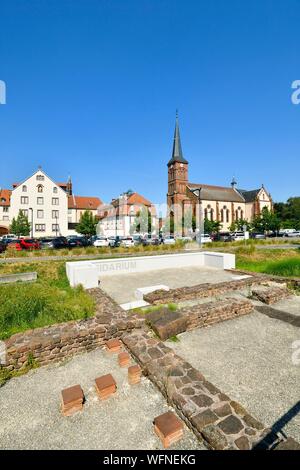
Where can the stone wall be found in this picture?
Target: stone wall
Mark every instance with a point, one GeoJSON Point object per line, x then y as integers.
{"type": "Point", "coordinates": [201, 291]}
{"type": "Point", "coordinates": [56, 342]}
{"type": "Point", "coordinates": [206, 314]}
{"type": "Point", "coordinates": [166, 323]}
{"type": "Point", "coordinates": [221, 422]}
{"type": "Point", "coordinates": [270, 295]}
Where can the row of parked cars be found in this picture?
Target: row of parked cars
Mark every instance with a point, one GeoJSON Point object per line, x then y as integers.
{"type": "Point", "coordinates": [13, 242]}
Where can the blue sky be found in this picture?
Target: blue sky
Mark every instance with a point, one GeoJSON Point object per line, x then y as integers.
{"type": "Point", "coordinates": [93, 85]}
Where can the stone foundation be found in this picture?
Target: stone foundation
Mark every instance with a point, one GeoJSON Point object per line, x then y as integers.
{"type": "Point", "coordinates": [54, 343]}
{"type": "Point", "coordinates": [201, 291]}
{"type": "Point", "coordinates": [216, 419]}
{"type": "Point", "coordinates": [270, 295]}
{"type": "Point", "coordinates": [166, 323]}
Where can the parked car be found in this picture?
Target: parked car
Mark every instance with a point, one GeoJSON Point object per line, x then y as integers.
{"type": "Point", "coordinates": [14, 245]}
{"type": "Point", "coordinates": [258, 236]}
{"type": "Point", "coordinates": [2, 247]}
{"type": "Point", "coordinates": [138, 239]}
{"type": "Point", "coordinates": [114, 242]}
{"type": "Point", "coordinates": [30, 244]}
{"type": "Point", "coordinates": [224, 237]}
{"type": "Point", "coordinates": [236, 236]}
{"type": "Point", "coordinates": [53, 242]}
{"type": "Point", "coordinates": [101, 241]}
{"type": "Point", "coordinates": [9, 236]}
{"type": "Point", "coordinates": [127, 242]}
{"type": "Point", "coordinates": [205, 238]}
{"type": "Point", "coordinates": [169, 240]}
{"type": "Point", "coordinates": [292, 234]}
{"type": "Point", "coordinates": [184, 239]}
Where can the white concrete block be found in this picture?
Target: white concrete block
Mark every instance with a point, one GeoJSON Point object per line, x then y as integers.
{"type": "Point", "coordinates": [134, 304]}
{"type": "Point", "coordinates": [239, 278]}
{"type": "Point", "coordinates": [141, 291]}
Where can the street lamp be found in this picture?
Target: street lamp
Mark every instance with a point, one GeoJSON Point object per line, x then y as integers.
{"type": "Point", "coordinates": [31, 209]}
{"type": "Point", "coordinates": [197, 192]}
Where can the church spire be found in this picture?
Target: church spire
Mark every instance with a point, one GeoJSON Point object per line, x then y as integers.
{"type": "Point", "coordinates": [177, 155]}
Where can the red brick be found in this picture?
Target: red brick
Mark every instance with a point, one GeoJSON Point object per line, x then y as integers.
{"type": "Point", "coordinates": [113, 345]}
{"type": "Point", "coordinates": [168, 428]}
{"type": "Point", "coordinates": [105, 386]}
{"type": "Point", "coordinates": [123, 359]}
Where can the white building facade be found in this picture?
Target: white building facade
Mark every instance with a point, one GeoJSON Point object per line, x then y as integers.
{"type": "Point", "coordinates": [51, 208]}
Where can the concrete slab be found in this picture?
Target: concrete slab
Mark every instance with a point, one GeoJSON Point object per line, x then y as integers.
{"type": "Point", "coordinates": [122, 288]}
{"type": "Point", "coordinates": [30, 416]}
{"type": "Point", "coordinates": [252, 359]}
{"type": "Point", "coordinates": [291, 305]}
{"type": "Point", "coordinates": [141, 291]}
{"type": "Point", "coordinates": [134, 304]}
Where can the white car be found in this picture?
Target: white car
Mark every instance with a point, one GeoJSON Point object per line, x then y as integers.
{"type": "Point", "coordinates": [9, 236]}
{"type": "Point", "coordinates": [205, 238]}
{"type": "Point", "coordinates": [169, 240]}
{"type": "Point", "coordinates": [291, 233]}
{"type": "Point", "coordinates": [101, 241]}
{"type": "Point", "coordinates": [238, 236]}
{"type": "Point", "coordinates": [127, 242]}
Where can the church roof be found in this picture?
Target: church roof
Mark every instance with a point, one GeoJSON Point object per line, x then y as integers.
{"type": "Point", "coordinates": [177, 155]}
{"type": "Point", "coordinates": [249, 196]}
{"type": "Point", "coordinates": [217, 193]}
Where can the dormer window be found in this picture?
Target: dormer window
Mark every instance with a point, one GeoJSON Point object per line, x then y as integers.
{"type": "Point", "coordinates": [24, 188]}
{"type": "Point", "coordinates": [40, 188]}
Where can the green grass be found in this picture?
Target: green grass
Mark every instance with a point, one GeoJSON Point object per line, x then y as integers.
{"type": "Point", "coordinates": [275, 262]}
{"type": "Point", "coordinates": [145, 310]}
{"type": "Point", "coordinates": [47, 301]}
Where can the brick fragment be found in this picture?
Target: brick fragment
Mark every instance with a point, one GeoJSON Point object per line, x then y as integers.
{"type": "Point", "coordinates": [168, 428]}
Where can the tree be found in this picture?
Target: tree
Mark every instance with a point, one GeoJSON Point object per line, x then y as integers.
{"type": "Point", "coordinates": [20, 226]}
{"type": "Point", "coordinates": [142, 222]}
{"type": "Point", "coordinates": [288, 213]}
{"type": "Point", "coordinates": [212, 226]}
{"type": "Point", "coordinates": [238, 225]}
{"type": "Point", "coordinates": [87, 224]}
{"type": "Point", "coordinates": [265, 222]}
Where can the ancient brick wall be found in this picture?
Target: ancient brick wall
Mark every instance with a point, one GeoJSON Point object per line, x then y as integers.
{"type": "Point", "coordinates": [54, 343]}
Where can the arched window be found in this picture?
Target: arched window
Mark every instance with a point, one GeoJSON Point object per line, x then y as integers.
{"type": "Point", "coordinates": [242, 214]}
{"type": "Point", "coordinates": [205, 213]}
{"type": "Point", "coordinates": [24, 188]}
{"type": "Point", "coordinates": [211, 214]}
{"type": "Point", "coordinates": [40, 188]}
{"type": "Point", "coordinates": [55, 189]}
{"type": "Point", "coordinates": [227, 215]}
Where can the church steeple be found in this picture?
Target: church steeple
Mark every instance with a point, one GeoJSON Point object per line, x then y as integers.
{"type": "Point", "coordinates": [177, 155]}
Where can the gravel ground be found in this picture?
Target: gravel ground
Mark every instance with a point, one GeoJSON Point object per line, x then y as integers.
{"type": "Point", "coordinates": [250, 359]}
{"type": "Point", "coordinates": [30, 415]}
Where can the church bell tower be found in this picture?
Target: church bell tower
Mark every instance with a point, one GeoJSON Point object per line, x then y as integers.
{"type": "Point", "coordinates": [177, 171]}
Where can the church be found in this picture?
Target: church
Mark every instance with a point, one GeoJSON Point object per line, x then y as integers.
{"type": "Point", "coordinates": [218, 203]}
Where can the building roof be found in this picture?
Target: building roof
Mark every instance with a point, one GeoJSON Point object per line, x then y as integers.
{"type": "Point", "coordinates": [177, 155]}
{"type": "Point", "coordinates": [5, 197]}
{"type": "Point", "coordinates": [83, 202]}
{"type": "Point", "coordinates": [217, 193]}
{"type": "Point", "coordinates": [136, 198]}
{"type": "Point", "coordinates": [249, 196]}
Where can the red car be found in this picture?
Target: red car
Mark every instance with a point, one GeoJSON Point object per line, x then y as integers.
{"type": "Point", "coordinates": [24, 244]}
{"type": "Point", "coordinates": [29, 244]}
